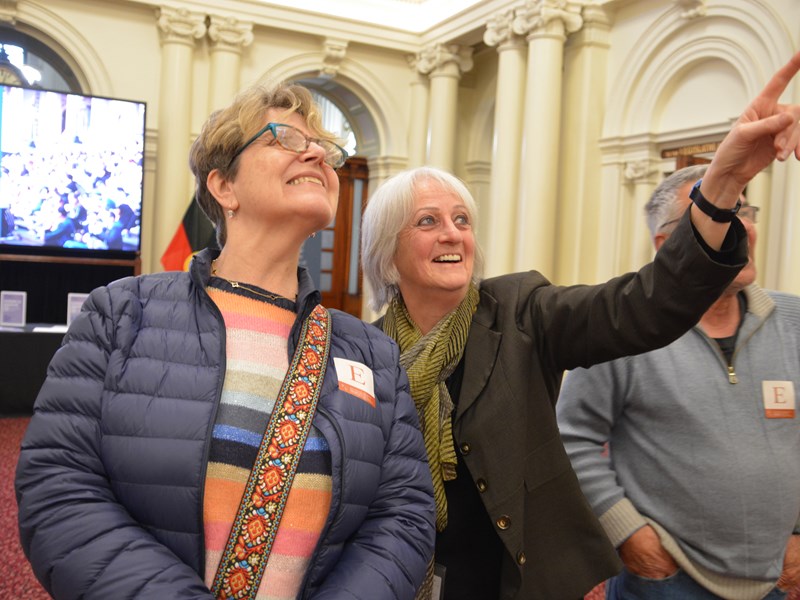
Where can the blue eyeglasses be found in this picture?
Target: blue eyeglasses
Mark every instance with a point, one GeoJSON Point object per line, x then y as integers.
{"type": "Point", "coordinates": [292, 139]}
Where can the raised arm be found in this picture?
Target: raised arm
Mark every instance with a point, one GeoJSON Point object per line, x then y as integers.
{"type": "Point", "coordinates": [766, 130]}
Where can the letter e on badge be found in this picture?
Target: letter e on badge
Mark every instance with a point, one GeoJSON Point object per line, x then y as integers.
{"type": "Point", "coordinates": [778, 399]}
{"type": "Point", "coordinates": [355, 379]}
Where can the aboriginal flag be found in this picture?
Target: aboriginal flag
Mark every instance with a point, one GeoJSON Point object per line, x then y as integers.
{"type": "Point", "coordinates": [194, 234]}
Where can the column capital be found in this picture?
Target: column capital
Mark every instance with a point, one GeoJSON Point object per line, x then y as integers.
{"type": "Point", "coordinates": [179, 25]}
{"type": "Point", "coordinates": [229, 33]}
{"type": "Point", "coordinates": [8, 12]}
{"type": "Point", "coordinates": [333, 53]}
{"type": "Point", "coordinates": [691, 9]}
{"type": "Point", "coordinates": [440, 56]}
{"type": "Point", "coordinates": [595, 14]}
{"type": "Point", "coordinates": [538, 16]}
{"type": "Point", "coordinates": [638, 170]}
{"type": "Point", "coordinates": [414, 63]}
{"type": "Point", "coordinates": [500, 31]}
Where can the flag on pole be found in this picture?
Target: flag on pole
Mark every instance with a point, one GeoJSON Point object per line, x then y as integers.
{"type": "Point", "coordinates": [194, 233]}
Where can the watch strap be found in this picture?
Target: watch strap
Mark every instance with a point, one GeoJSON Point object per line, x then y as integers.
{"type": "Point", "coordinates": [720, 215]}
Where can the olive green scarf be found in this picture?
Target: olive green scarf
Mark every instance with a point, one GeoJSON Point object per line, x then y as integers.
{"type": "Point", "coordinates": [429, 361]}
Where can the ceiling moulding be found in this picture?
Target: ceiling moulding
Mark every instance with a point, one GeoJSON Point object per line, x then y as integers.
{"type": "Point", "coordinates": [407, 15]}
{"type": "Point", "coordinates": [291, 19]}
{"type": "Point", "coordinates": [464, 26]}
{"type": "Point", "coordinates": [468, 26]}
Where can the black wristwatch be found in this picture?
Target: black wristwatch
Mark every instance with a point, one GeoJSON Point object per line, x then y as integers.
{"type": "Point", "coordinates": [720, 215]}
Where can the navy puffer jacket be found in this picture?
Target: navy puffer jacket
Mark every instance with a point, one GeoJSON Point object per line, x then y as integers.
{"type": "Point", "coordinates": [111, 473]}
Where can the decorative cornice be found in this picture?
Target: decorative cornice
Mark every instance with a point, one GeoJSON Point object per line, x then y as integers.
{"type": "Point", "coordinates": [439, 56]}
{"type": "Point", "coordinates": [595, 14]}
{"type": "Point", "coordinates": [178, 25]}
{"type": "Point", "coordinates": [229, 33]}
{"type": "Point", "coordinates": [691, 9]}
{"type": "Point", "coordinates": [536, 15]}
{"type": "Point", "coordinates": [8, 11]}
{"type": "Point", "coordinates": [334, 51]}
{"type": "Point", "coordinates": [639, 169]}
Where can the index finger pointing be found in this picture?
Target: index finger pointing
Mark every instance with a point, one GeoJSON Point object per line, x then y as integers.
{"type": "Point", "coordinates": [780, 80]}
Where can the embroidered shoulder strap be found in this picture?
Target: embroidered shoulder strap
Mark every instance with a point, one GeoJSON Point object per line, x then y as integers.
{"type": "Point", "coordinates": [261, 508]}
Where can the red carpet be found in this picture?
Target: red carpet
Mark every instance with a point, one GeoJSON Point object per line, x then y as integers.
{"type": "Point", "coordinates": [16, 578]}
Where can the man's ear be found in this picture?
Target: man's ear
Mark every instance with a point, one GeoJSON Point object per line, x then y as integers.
{"type": "Point", "coordinates": [222, 190]}
{"type": "Point", "coordinates": [659, 239]}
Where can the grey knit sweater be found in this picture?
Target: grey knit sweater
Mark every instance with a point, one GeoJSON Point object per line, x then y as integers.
{"type": "Point", "coordinates": [694, 454]}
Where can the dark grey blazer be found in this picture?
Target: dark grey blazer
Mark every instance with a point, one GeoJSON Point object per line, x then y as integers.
{"type": "Point", "coordinates": [523, 336]}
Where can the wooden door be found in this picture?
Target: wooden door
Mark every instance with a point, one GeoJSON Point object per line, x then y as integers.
{"type": "Point", "coordinates": [340, 270]}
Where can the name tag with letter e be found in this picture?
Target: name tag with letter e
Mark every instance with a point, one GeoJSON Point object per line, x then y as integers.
{"type": "Point", "coordinates": [356, 379]}
{"type": "Point", "coordinates": [778, 399]}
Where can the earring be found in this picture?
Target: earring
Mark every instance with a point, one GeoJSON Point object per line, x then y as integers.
{"type": "Point", "coordinates": [231, 213]}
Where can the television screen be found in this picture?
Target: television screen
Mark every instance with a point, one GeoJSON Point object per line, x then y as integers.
{"type": "Point", "coordinates": [71, 173]}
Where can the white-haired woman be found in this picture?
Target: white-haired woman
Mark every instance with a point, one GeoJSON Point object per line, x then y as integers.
{"type": "Point", "coordinates": [485, 360]}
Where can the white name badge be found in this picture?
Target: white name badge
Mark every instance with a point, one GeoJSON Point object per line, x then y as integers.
{"type": "Point", "coordinates": [356, 379]}
{"type": "Point", "coordinates": [778, 399]}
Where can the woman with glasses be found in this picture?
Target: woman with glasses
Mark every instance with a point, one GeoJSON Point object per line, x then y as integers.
{"type": "Point", "coordinates": [218, 433]}
{"type": "Point", "coordinates": [485, 358]}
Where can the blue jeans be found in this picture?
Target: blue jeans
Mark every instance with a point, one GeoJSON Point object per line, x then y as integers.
{"type": "Point", "coordinates": [627, 586]}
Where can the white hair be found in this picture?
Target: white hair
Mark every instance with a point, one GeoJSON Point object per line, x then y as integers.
{"type": "Point", "coordinates": [388, 211]}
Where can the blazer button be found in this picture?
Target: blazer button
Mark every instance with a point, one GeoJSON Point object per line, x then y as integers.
{"type": "Point", "coordinates": [465, 448]}
{"type": "Point", "coordinates": [482, 485]}
{"type": "Point", "coordinates": [504, 522]}
{"type": "Point", "coordinates": [521, 560]}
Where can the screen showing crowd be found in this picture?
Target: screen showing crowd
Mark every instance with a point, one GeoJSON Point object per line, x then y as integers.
{"type": "Point", "coordinates": [71, 170]}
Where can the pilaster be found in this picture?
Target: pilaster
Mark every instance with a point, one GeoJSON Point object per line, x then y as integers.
{"type": "Point", "coordinates": [546, 24]}
{"type": "Point", "coordinates": [500, 234]}
{"type": "Point", "coordinates": [228, 37]}
{"type": "Point", "coordinates": [444, 63]}
{"type": "Point", "coordinates": [179, 29]}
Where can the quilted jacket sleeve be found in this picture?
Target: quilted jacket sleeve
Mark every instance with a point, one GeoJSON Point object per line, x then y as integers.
{"type": "Point", "coordinates": [81, 541]}
{"type": "Point", "coordinates": [387, 558]}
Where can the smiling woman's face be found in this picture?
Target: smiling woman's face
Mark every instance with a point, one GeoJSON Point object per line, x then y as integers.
{"type": "Point", "coordinates": [436, 250]}
{"type": "Point", "coordinates": [279, 187]}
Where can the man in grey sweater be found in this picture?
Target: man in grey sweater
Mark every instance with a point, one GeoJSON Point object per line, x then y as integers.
{"type": "Point", "coordinates": [690, 455]}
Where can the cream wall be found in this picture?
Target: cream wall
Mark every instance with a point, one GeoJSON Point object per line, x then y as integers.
{"type": "Point", "coordinates": [682, 79]}
{"type": "Point", "coordinates": [604, 87]}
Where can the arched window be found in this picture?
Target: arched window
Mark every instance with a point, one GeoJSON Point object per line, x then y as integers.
{"type": "Point", "coordinates": [40, 64]}
{"type": "Point", "coordinates": [334, 121]}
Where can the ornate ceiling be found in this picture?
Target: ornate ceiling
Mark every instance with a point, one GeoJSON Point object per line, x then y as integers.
{"type": "Point", "coordinates": [414, 16]}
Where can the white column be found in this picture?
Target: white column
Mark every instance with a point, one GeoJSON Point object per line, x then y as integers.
{"type": "Point", "coordinates": [790, 262]}
{"type": "Point", "coordinates": [643, 176]}
{"type": "Point", "coordinates": [478, 176]}
{"type": "Point", "coordinates": [759, 194]}
{"type": "Point", "coordinates": [445, 63]}
{"type": "Point", "coordinates": [546, 24]}
{"type": "Point", "coordinates": [579, 188]}
{"type": "Point", "coordinates": [228, 36]}
{"type": "Point", "coordinates": [179, 29]}
{"type": "Point", "coordinates": [499, 227]}
{"type": "Point", "coordinates": [418, 117]}
{"type": "Point", "coordinates": [790, 258]}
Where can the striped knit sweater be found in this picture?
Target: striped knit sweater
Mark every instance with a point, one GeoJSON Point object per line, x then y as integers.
{"type": "Point", "coordinates": [257, 333]}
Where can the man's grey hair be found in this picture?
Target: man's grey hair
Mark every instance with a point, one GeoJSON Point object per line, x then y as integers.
{"type": "Point", "coordinates": [388, 212]}
{"type": "Point", "coordinates": [663, 205]}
